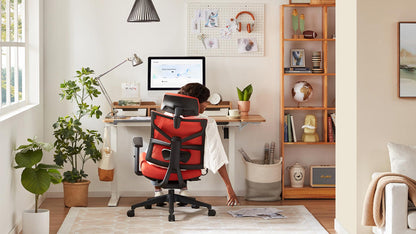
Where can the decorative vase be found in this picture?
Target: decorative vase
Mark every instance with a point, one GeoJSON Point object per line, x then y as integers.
{"type": "Point", "coordinates": [76, 194]}
{"type": "Point", "coordinates": [297, 175]}
{"type": "Point", "coordinates": [244, 107]}
{"type": "Point", "coordinates": [35, 223]}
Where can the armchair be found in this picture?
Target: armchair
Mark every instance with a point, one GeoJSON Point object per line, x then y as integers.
{"type": "Point", "coordinates": [175, 154]}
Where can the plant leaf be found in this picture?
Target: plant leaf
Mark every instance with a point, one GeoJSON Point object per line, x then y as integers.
{"type": "Point", "coordinates": [28, 158]}
{"type": "Point", "coordinates": [55, 176]}
{"type": "Point", "coordinates": [35, 181]}
{"type": "Point", "coordinates": [240, 94]}
{"type": "Point", "coordinates": [247, 92]}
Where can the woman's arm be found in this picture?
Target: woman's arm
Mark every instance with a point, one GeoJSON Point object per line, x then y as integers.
{"type": "Point", "coordinates": [232, 199]}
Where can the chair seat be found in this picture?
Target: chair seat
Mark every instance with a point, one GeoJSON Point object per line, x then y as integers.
{"type": "Point", "coordinates": [158, 173]}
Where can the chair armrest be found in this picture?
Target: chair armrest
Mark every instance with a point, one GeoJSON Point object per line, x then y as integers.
{"type": "Point", "coordinates": [138, 143]}
{"type": "Point", "coordinates": [396, 207]}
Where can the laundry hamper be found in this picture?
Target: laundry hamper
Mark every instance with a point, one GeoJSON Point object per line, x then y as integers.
{"type": "Point", "coordinates": [263, 181]}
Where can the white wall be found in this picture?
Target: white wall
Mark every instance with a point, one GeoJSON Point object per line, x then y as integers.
{"type": "Point", "coordinates": [15, 130]}
{"type": "Point", "coordinates": [95, 33]}
{"type": "Point", "coordinates": [370, 113]}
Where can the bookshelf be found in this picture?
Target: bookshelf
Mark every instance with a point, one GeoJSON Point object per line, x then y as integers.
{"type": "Point", "coordinates": [320, 19]}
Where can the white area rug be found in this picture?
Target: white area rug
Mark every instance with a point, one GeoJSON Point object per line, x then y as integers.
{"type": "Point", "coordinates": [188, 220]}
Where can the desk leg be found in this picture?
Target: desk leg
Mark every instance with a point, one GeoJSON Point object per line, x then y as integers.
{"type": "Point", "coordinates": [114, 184]}
{"type": "Point", "coordinates": [231, 155]}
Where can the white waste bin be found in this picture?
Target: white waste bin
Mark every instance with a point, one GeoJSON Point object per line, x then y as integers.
{"type": "Point", "coordinates": [263, 181]}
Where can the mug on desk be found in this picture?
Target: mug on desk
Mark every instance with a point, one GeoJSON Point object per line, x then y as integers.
{"type": "Point", "coordinates": [234, 113]}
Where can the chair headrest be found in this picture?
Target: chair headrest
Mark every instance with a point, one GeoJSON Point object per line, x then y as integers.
{"type": "Point", "coordinates": [180, 104]}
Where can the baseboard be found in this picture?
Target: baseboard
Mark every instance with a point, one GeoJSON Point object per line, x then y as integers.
{"type": "Point", "coordinates": [339, 228]}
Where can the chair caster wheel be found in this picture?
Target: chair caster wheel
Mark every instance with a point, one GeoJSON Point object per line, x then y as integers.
{"type": "Point", "coordinates": [211, 212]}
{"type": "Point", "coordinates": [148, 207]}
{"type": "Point", "coordinates": [162, 204]}
{"type": "Point", "coordinates": [195, 207]}
{"type": "Point", "coordinates": [182, 204]}
{"type": "Point", "coordinates": [171, 218]}
{"type": "Point", "coordinates": [130, 213]}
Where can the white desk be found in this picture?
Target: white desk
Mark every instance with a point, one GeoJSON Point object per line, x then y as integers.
{"type": "Point", "coordinates": [231, 124]}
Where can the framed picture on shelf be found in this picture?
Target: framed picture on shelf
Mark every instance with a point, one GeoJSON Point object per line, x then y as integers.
{"type": "Point", "coordinates": [299, 1]}
{"type": "Point", "coordinates": [297, 57]}
{"type": "Point", "coordinates": [407, 60]}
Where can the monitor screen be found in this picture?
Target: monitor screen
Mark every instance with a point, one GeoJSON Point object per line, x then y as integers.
{"type": "Point", "coordinates": [171, 73]}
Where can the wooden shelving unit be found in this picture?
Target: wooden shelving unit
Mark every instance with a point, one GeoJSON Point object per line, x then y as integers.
{"type": "Point", "coordinates": [325, 90]}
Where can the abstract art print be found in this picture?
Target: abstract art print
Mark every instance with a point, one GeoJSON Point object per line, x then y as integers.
{"type": "Point", "coordinates": [297, 58]}
{"type": "Point", "coordinates": [407, 59]}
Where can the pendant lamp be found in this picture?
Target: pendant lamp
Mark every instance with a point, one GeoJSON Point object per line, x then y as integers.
{"type": "Point", "coordinates": [143, 11]}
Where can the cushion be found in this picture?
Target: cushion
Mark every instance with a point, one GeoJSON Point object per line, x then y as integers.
{"type": "Point", "coordinates": [402, 159]}
{"type": "Point", "coordinates": [411, 219]}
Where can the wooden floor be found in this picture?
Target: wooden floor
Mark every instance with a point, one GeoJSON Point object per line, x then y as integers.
{"type": "Point", "coordinates": [323, 210]}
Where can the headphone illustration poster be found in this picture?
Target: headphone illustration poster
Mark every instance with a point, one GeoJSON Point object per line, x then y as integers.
{"type": "Point", "coordinates": [221, 29]}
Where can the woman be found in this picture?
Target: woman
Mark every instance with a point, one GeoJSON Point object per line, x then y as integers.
{"type": "Point", "coordinates": [215, 158]}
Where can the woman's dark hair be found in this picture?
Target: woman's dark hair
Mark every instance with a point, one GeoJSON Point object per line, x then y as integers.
{"type": "Point", "coordinates": [196, 90]}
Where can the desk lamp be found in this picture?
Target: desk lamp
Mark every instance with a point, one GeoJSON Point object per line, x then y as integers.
{"type": "Point", "coordinates": [135, 60]}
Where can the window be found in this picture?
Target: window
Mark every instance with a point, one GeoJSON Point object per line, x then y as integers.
{"type": "Point", "coordinates": [13, 92]}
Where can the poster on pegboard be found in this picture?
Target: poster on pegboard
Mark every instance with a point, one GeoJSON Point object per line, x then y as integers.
{"type": "Point", "coordinates": [225, 29]}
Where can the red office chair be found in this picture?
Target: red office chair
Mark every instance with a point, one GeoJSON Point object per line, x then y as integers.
{"type": "Point", "coordinates": [175, 154]}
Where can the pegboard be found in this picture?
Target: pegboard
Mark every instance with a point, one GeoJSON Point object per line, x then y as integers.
{"type": "Point", "coordinates": [238, 43]}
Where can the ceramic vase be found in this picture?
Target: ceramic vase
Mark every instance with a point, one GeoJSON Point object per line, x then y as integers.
{"type": "Point", "coordinates": [36, 223]}
{"type": "Point", "coordinates": [244, 107]}
{"type": "Point", "coordinates": [297, 175]}
{"type": "Point", "coordinates": [76, 194]}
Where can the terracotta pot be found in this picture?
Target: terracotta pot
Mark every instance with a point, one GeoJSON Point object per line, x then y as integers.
{"type": "Point", "coordinates": [76, 194]}
{"type": "Point", "coordinates": [244, 107]}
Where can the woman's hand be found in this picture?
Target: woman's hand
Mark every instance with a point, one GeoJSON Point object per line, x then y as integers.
{"type": "Point", "coordinates": [232, 199]}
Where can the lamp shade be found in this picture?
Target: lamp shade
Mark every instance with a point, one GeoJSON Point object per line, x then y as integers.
{"type": "Point", "coordinates": [136, 60]}
{"type": "Point", "coordinates": [143, 11]}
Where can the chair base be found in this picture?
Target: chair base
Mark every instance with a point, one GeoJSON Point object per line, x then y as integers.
{"type": "Point", "coordinates": [171, 198]}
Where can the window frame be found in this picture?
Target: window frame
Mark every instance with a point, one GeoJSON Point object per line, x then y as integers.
{"type": "Point", "coordinates": [33, 19]}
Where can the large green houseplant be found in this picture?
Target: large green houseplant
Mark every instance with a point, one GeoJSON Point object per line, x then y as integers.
{"type": "Point", "coordinates": [74, 144]}
{"type": "Point", "coordinates": [36, 178]}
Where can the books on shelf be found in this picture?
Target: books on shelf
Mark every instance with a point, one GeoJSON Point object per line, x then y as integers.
{"type": "Point", "coordinates": [293, 128]}
{"type": "Point", "coordinates": [331, 127]}
{"type": "Point", "coordinates": [289, 129]}
{"type": "Point", "coordinates": [297, 70]}
{"type": "Point", "coordinates": [285, 137]}
{"type": "Point", "coordinates": [333, 118]}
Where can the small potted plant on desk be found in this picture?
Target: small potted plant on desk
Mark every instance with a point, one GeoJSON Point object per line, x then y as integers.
{"type": "Point", "coordinates": [75, 145]}
{"type": "Point", "coordinates": [244, 99]}
{"type": "Point", "coordinates": [36, 178]}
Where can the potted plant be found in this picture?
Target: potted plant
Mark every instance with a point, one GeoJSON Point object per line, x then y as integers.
{"type": "Point", "coordinates": [244, 99]}
{"type": "Point", "coordinates": [75, 145]}
{"type": "Point", "coordinates": [36, 178]}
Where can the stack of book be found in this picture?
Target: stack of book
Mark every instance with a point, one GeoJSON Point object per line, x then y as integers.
{"type": "Point", "coordinates": [331, 127]}
{"type": "Point", "coordinates": [297, 70]}
{"type": "Point", "coordinates": [289, 131]}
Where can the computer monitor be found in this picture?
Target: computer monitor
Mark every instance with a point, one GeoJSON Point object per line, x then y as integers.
{"type": "Point", "coordinates": [171, 73]}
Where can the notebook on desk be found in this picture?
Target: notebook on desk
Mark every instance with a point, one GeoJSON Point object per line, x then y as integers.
{"type": "Point", "coordinates": [216, 112]}
{"type": "Point", "coordinates": [133, 119]}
